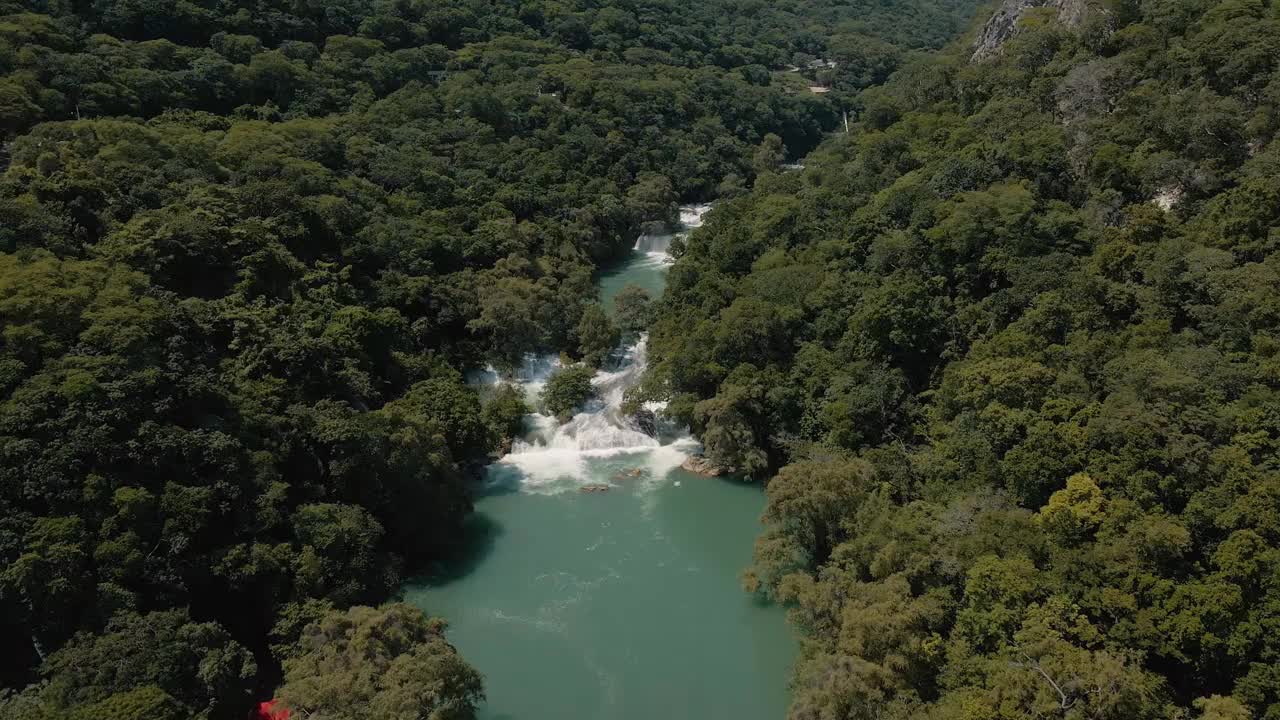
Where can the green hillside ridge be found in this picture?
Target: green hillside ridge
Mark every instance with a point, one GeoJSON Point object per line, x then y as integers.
{"type": "Point", "coordinates": [248, 251]}
{"type": "Point", "coordinates": [1010, 348]}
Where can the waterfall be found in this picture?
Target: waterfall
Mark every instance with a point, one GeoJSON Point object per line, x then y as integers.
{"type": "Point", "coordinates": [600, 442]}
{"type": "Point", "coordinates": [656, 244]}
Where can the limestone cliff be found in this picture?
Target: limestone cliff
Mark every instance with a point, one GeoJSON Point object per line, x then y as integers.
{"type": "Point", "coordinates": [1004, 22]}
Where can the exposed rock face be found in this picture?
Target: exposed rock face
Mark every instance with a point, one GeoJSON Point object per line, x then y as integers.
{"type": "Point", "coordinates": [1168, 197]}
{"type": "Point", "coordinates": [699, 465]}
{"type": "Point", "coordinates": [1004, 22]}
{"type": "Point", "coordinates": [646, 422]}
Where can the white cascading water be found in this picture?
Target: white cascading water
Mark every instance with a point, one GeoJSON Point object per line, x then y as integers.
{"type": "Point", "coordinates": [655, 245]}
{"type": "Point", "coordinates": [553, 456]}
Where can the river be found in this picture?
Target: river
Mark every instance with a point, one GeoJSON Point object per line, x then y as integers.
{"type": "Point", "coordinates": [616, 605]}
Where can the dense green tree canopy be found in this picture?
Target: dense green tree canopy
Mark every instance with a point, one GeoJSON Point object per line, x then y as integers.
{"type": "Point", "coordinates": [567, 390]}
{"type": "Point", "coordinates": [633, 309]}
{"type": "Point", "coordinates": [378, 664]}
{"type": "Point", "coordinates": [158, 662]}
{"type": "Point", "coordinates": [597, 335]}
{"type": "Point", "coordinates": [1010, 349]}
{"type": "Point", "coordinates": [249, 250]}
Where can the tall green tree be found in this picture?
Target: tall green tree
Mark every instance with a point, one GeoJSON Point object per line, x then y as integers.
{"type": "Point", "coordinates": [598, 336]}
{"type": "Point", "coordinates": [380, 663]}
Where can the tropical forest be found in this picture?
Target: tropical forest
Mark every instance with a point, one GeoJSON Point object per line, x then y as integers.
{"type": "Point", "coordinates": [634, 359]}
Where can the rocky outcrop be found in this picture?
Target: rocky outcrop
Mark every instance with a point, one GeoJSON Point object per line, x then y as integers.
{"type": "Point", "coordinates": [699, 465]}
{"type": "Point", "coordinates": [1004, 22]}
{"type": "Point", "coordinates": [645, 421]}
{"type": "Point", "coordinates": [1168, 197]}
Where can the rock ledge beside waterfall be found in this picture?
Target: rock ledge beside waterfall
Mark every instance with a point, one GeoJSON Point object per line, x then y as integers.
{"type": "Point", "coordinates": [700, 465]}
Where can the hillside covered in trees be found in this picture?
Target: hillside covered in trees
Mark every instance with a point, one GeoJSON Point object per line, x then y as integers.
{"type": "Point", "coordinates": [247, 252]}
{"type": "Point", "coordinates": [1011, 348]}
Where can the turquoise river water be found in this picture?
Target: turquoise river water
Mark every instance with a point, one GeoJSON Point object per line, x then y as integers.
{"type": "Point", "coordinates": [622, 604]}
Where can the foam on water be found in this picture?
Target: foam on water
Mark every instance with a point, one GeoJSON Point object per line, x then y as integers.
{"type": "Point", "coordinates": [598, 442]}
{"type": "Point", "coordinates": [691, 215]}
{"type": "Point", "coordinates": [655, 245]}
{"type": "Point", "coordinates": [601, 441]}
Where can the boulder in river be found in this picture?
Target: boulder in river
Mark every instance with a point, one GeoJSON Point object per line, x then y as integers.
{"type": "Point", "coordinates": [645, 421]}
{"type": "Point", "coordinates": [700, 465]}
{"type": "Point", "coordinates": [596, 487]}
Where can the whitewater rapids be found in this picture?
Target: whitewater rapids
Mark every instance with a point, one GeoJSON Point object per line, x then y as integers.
{"type": "Point", "coordinates": [600, 441]}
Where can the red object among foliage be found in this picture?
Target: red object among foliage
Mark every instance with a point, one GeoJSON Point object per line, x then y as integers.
{"type": "Point", "coordinates": [271, 710]}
